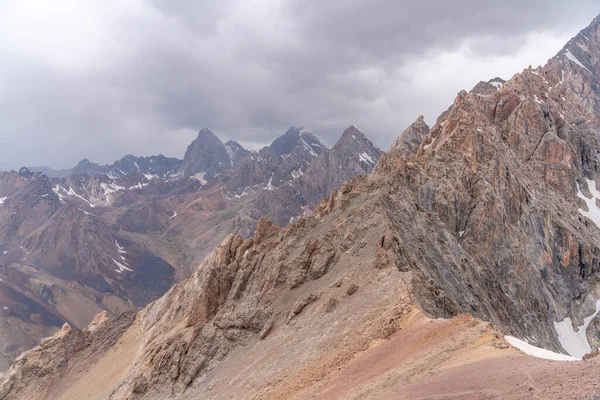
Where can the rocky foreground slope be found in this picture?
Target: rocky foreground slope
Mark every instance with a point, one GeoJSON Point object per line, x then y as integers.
{"type": "Point", "coordinates": [495, 216]}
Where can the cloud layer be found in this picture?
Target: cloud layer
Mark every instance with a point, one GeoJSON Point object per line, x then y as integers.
{"type": "Point", "coordinates": [100, 79]}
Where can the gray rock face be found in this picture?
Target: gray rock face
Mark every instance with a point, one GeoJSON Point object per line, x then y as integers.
{"type": "Point", "coordinates": [410, 139]}
{"type": "Point", "coordinates": [294, 138]}
{"type": "Point", "coordinates": [206, 155]}
{"type": "Point", "coordinates": [352, 155]}
{"type": "Point", "coordinates": [284, 161]}
{"type": "Point", "coordinates": [236, 151]}
{"type": "Point", "coordinates": [311, 178]}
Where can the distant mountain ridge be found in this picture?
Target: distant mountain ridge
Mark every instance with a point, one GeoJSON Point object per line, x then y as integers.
{"type": "Point", "coordinates": [156, 166]}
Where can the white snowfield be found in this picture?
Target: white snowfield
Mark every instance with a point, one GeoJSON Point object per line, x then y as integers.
{"type": "Point", "coordinates": [2, 200]}
{"type": "Point", "coordinates": [537, 351]}
{"type": "Point", "coordinates": [575, 342]}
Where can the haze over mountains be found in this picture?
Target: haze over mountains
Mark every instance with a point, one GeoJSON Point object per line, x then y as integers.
{"type": "Point", "coordinates": [115, 237]}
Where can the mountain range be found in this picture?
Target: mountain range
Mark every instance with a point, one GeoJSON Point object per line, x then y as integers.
{"type": "Point", "coordinates": [76, 242]}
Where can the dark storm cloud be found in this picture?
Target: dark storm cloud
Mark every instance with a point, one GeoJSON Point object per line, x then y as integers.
{"type": "Point", "coordinates": [145, 78]}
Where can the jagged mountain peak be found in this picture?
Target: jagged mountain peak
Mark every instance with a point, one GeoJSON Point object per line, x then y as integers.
{"type": "Point", "coordinates": [25, 172]}
{"type": "Point", "coordinates": [297, 137]}
{"type": "Point", "coordinates": [353, 137]}
{"type": "Point", "coordinates": [206, 133]}
{"type": "Point", "coordinates": [352, 130]}
{"type": "Point", "coordinates": [582, 52]}
{"type": "Point", "coordinates": [206, 155]}
{"type": "Point", "coordinates": [410, 139]}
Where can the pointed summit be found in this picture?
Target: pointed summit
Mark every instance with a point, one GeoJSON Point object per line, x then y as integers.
{"type": "Point", "coordinates": [410, 139]}
{"type": "Point", "coordinates": [352, 137]}
{"type": "Point", "coordinates": [353, 154]}
{"type": "Point", "coordinates": [582, 52]}
{"type": "Point", "coordinates": [206, 155]}
{"type": "Point", "coordinates": [206, 133]}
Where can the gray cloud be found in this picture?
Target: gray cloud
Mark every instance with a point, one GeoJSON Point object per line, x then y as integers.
{"type": "Point", "coordinates": [103, 79]}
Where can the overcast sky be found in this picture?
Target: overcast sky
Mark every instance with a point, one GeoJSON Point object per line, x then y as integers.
{"type": "Point", "coordinates": [100, 79]}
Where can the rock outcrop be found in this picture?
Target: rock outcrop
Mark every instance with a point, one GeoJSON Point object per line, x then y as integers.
{"type": "Point", "coordinates": [410, 139]}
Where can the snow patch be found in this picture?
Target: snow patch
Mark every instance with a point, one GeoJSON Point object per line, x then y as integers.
{"type": "Point", "coordinates": [269, 184]}
{"type": "Point", "coordinates": [366, 158]}
{"type": "Point", "coordinates": [150, 176]}
{"type": "Point", "coordinates": [537, 351]}
{"type": "Point", "coordinates": [574, 59]}
{"type": "Point", "coordinates": [120, 248]}
{"type": "Point", "coordinates": [122, 267]}
{"type": "Point", "coordinates": [2, 200]}
{"type": "Point", "coordinates": [593, 212]}
{"type": "Point", "coordinates": [68, 193]}
{"type": "Point", "coordinates": [307, 147]}
{"type": "Point", "coordinates": [231, 154]}
{"type": "Point", "coordinates": [200, 178]}
{"type": "Point", "coordinates": [575, 342]}
{"type": "Point", "coordinates": [295, 174]}
{"type": "Point", "coordinates": [174, 215]}
{"type": "Point", "coordinates": [497, 85]}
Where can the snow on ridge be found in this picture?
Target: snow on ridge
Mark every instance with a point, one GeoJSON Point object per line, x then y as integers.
{"type": "Point", "coordinates": [537, 351]}
{"type": "Point", "coordinates": [496, 84]}
{"type": "Point", "coordinates": [2, 200]}
{"type": "Point", "coordinates": [574, 59]}
{"type": "Point", "coordinates": [70, 192]}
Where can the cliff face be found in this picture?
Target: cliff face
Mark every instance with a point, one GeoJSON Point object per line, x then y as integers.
{"type": "Point", "coordinates": [494, 214]}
